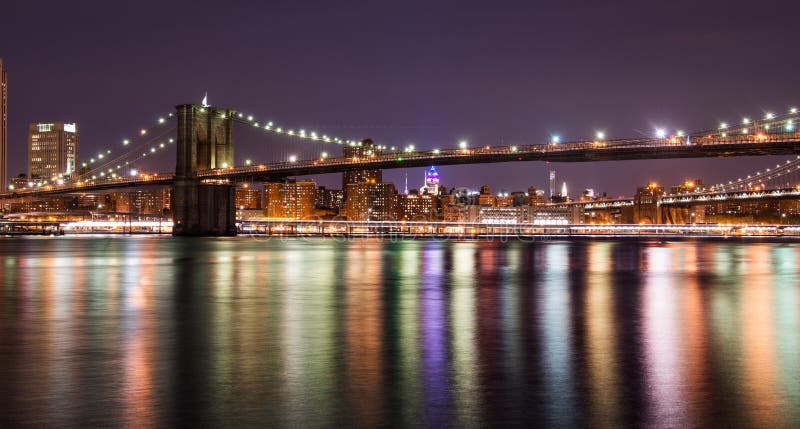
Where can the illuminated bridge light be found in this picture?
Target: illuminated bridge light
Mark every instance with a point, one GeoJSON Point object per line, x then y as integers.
{"type": "Point", "coordinates": [769, 116]}
{"type": "Point", "coordinates": [555, 139]}
{"type": "Point", "coordinates": [661, 133]}
{"type": "Point", "coordinates": [723, 125]}
{"type": "Point", "coordinates": [793, 110]}
{"type": "Point", "coordinates": [745, 121]}
{"type": "Point", "coordinates": [600, 135]}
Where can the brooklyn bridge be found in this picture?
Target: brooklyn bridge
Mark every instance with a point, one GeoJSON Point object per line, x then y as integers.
{"type": "Point", "coordinates": [206, 172]}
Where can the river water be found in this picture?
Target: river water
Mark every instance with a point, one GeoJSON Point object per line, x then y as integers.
{"type": "Point", "coordinates": [149, 331]}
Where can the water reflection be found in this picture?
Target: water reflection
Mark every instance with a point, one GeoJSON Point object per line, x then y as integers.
{"type": "Point", "coordinates": [155, 332]}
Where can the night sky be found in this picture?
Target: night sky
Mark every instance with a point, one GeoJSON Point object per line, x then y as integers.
{"type": "Point", "coordinates": [428, 73]}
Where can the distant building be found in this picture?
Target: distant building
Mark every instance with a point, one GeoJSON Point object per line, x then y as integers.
{"type": "Point", "coordinates": [417, 207]}
{"type": "Point", "coordinates": [3, 128]}
{"type": "Point", "coordinates": [486, 198]}
{"type": "Point", "coordinates": [499, 215]}
{"type": "Point", "coordinates": [52, 149]}
{"type": "Point", "coordinates": [431, 186]}
{"type": "Point", "coordinates": [364, 149]}
{"type": "Point", "coordinates": [535, 196]}
{"type": "Point", "coordinates": [290, 199]}
{"type": "Point", "coordinates": [688, 186]}
{"type": "Point", "coordinates": [646, 204]}
{"type": "Point", "coordinates": [328, 199]}
{"type": "Point", "coordinates": [371, 201]}
{"type": "Point", "coordinates": [140, 201]}
{"type": "Point", "coordinates": [248, 197]}
{"type": "Point", "coordinates": [557, 215]}
{"type": "Point", "coordinates": [504, 199]}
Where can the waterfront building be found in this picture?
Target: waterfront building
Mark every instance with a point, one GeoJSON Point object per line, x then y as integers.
{"type": "Point", "coordinates": [248, 197]}
{"type": "Point", "coordinates": [3, 127]}
{"type": "Point", "coordinates": [371, 201]}
{"type": "Point", "coordinates": [290, 199]}
{"type": "Point", "coordinates": [141, 201]}
{"type": "Point", "coordinates": [364, 149]}
{"type": "Point", "coordinates": [417, 207]}
{"type": "Point", "coordinates": [505, 215]}
{"type": "Point", "coordinates": [557, 215]}
{"type": "Point", "coordinates": [52, 149]}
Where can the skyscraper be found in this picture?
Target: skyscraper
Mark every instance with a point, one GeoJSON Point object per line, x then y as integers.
{"type": "Point", "coordinates": [3, 127]}
{"type": "Point", "coordinates": [52, 149]}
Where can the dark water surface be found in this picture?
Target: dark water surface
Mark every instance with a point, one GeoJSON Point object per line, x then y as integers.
{"type": "Point", "coordinates": [148, 331]}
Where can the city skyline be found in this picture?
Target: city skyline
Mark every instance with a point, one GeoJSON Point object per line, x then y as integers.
{"type": "Point", "coordinates": [541, 93]}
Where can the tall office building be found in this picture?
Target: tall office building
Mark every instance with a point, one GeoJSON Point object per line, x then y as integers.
{"type": "Point", "coordinates": [3, 128]}
{"type": "Point", "coordinates": [365, 149]}
{"type": "Point", "coordinates": [290, 199]}
{"type": "Point", "coordinates": [52, 149]}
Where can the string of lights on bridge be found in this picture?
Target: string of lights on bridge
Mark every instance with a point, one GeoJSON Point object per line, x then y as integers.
{"type": "Point", "coordinates": [104, 166]}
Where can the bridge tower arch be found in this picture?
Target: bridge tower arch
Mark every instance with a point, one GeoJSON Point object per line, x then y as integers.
{"type": "Point", "coordinates": [204, 142]}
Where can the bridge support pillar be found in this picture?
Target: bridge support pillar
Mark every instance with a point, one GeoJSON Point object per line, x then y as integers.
{"type": "Point", "coordinates": [205, 141]}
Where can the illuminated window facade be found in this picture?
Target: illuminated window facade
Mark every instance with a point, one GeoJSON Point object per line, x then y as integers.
{"type": "Point", "coordinates": [290, 199]}
{"type": "Point", "coordinates": [52, 149]}
{"type": "Point", "coordinates": [248, 197]}
{"type": "Point", "coordinates": [371, 201]}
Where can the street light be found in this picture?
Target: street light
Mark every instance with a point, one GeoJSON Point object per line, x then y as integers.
{"type": "Point", "coordinates": [661, 133]}
{"type": "Point", "coordinates": [600, 135]}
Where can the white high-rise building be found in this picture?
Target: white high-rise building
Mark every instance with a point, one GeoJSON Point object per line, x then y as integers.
{"type": "Point", "coordinates": [52, 149]}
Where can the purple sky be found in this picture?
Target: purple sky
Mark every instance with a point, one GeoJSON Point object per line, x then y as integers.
{"type": "Point", "coordinates": [406, 72]}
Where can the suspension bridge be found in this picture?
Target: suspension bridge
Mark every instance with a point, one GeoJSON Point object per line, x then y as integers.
{"type": "Point", "coordinates": [202, 138]}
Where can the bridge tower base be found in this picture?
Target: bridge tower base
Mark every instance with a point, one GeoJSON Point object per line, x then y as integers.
{"type": "Point", "coordinates": [205, 142]}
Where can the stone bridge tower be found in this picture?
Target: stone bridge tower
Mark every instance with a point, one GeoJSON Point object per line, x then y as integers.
{"type": "Point", "coordinates": [205, 142]}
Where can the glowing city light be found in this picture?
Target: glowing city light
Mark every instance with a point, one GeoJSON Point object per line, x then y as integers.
{"type": "Point", "coordinates": [723, 125]}
{"type": "Point", "coordinates": [769, 116]}
{"type": "Point", "coordinates": [661, 133]}
{"type": "Point", "coordinates": [555, 139]}
{"type": "Point", "coordinates": [134, 173]}
{"type": "Point", "coordinates": [293, 158]}
{"type": "Point", "coordinates": [600, 135]}
{"type": "Point", "coordinates": [462, 144]}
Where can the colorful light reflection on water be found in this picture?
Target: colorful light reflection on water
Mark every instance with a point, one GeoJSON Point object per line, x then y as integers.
{"type": "Point", "coordinates": [149, 331]}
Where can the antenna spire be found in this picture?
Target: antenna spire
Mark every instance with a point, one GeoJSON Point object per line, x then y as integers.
{"type": "Point", "coordinates": [205, 100]}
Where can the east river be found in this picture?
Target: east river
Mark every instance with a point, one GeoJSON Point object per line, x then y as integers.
{"type": "Point", "coordinates": [242, 332]}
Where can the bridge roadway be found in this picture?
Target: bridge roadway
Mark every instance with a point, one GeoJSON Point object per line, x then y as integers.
{"type": "Point", "coordinates": [584, 151]}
